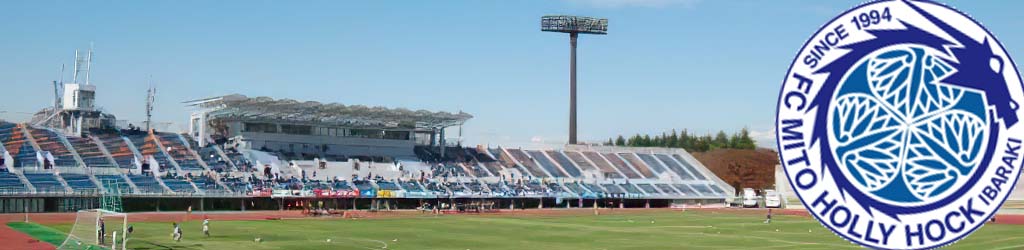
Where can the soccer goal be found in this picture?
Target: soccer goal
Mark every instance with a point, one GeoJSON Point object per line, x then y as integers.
{"type": "Point", "coordinates": [97, 229]}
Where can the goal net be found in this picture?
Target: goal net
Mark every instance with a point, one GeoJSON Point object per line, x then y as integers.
{"type": "Point", "coordinates": [96, 229]}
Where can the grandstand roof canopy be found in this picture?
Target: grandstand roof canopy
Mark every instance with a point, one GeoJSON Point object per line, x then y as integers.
{"type": "Point", "coordinates": [241, 107]}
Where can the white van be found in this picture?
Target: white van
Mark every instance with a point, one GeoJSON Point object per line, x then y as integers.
{"type": "Point", "coordinates": [749, 197]}
{"type": "Point", "coordinates": [772, 199]}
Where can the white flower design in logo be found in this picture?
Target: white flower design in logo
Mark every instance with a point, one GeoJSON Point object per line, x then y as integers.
{"type": "Point", "coordinates": [901, 134]}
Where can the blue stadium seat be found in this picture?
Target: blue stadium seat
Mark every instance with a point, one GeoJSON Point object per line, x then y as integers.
{"type": "Point", "coordinates": [10, 183]}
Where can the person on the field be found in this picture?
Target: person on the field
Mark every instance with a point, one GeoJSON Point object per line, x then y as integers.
{"type": "Point", "coordinates": [101, 233]}
{"type": "Point", "coordinates": [206, 227]}
{"type": "Point", "coordinates": [176, 235]}
{"type": "Point", "coordinates": [769, 219]}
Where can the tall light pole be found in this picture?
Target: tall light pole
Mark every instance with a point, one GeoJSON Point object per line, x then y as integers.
{"type": "Point", "coordinates": [574, 25]}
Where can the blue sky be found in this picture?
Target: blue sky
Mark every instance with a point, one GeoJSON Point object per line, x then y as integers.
{"type": "Point", "coordinates": [702, 65]}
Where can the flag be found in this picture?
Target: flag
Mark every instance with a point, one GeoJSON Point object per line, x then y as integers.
{"type": "Point", "coordinates": [7, 158]}
{"type": "Point", "coordinates": [39, 159]}
{"type": "Point", "coordinates": [153, 165]}
{"type": "Point", "coordinates": [137, 164]}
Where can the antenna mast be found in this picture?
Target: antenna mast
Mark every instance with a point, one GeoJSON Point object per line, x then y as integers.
{"type": "Point", "coordinates": [88, 65]}
{"type": "Point", "coordinates": [56, 89]}
{"type": "Point", "coordinates": [150, 98]}
{"type": "Point", "coordinates": [74, 76]}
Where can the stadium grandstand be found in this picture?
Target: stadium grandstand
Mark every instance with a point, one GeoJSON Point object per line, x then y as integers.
{"type": "Point", "coordinates": [259, 153]}
{"type": "Point", "coordinates": [289, 165]}
{"type": "Point", "coordinates": [262, 153]}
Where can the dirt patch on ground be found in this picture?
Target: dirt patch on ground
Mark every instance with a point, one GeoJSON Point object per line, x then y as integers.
{"type": "Point", "coordinates": [742, 168]}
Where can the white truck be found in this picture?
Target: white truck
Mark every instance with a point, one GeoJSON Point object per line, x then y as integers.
{"type": "Point", "coordinates": [749, 197]}
{"type": "Point", "coordinates": [772, 199]}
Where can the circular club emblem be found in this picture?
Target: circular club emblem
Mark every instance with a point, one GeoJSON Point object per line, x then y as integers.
{"type": "Point", "coordinates": [898, 125]}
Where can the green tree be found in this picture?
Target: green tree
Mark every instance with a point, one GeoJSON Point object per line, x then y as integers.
{"type": "Point", "coordinates": [619, 141]}
{"type": "Point", "coordinates": [745, 142]}
{"type": "Point", "coordinates": [721, 140]}
{"type": "Point", "coordinates": [673, 140]}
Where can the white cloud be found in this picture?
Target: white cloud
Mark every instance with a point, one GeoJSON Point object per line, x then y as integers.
{"type": "Point", "coordinates": [537, 139]}
{"type": "Point", "coordinates": [636, 3]}
{"type": "Point", "coordinates": [764, 138]}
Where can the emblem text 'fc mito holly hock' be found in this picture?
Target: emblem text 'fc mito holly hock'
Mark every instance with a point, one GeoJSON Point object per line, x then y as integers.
{"type": "Point", "coordinates": [898, 125]}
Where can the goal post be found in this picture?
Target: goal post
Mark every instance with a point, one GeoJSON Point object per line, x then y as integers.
{"type": "Point", "coordinates": [96, 229]}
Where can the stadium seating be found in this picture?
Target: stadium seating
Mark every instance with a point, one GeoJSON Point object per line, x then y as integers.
{"type": "Point", "coordinates": [118, 149]}
{"type": "Point", "coordinates": [146, 184]}
{"type": "Point", "coordinates": [649, 189]}
{"type": "Point", "coordinates": [463, 172]}
{"type": "Point", "coordinates": [49, 141]}
{"type": "Point", "coordinates": [25, 155]}
{"type": "Point", "coordinates": [689, 167]}
{"type": "Point", "coordinates": [411, 186]}
{"type": "Point", "coordinates": [630, 189]}
{"type": "Point", "coordinates": [208, 184]}
{"type": "Point", "coordinates": [621, 165]}
{"type": "Point", "coordinates": [180, 153]}
{"type": "Point", "coordinates": [237, 184]}
{"type": "Point", "coordinates": [363, 185]}
{"type": "Point", "coordinates": [638, 165]}
{"type": "Point", "coordinates": [613, 189]}
{"type": "Point", "coordinates": [475, 187]}
{"type": "Point", "coordinates": [45, 182]}
{"type": "Point", "coordinates": [90, 153]}
{"type": "Point", "coordinates": [652, 162]}
{"type": "Point", "coordinates": [566, 164]}
{"type": "Point", "coordinates": [603, 165]}
{"type": "Point", "coordinates": [148, 147]}
{"type": "Point", "coordinates": [668, 189]}
{"type": "Point", "coordinates": [704, 190]}
{"type": "Point", "coordinates": [10, 183]}
{"type": "Point", "coordinates": [178, 184]}
{"type": "Point", "coordinates": [456, 188]}
{"type": "Point", "coordinates": [578, 189]}
{"type": "Point", "coordinates": [435, 188]}
{"type": "Point", "coordinates": [6, 129]}
{"type": "Point", "coordinates": [500, 189]}
{"type": "Point", "coordinates": [675, 167]}
{"type": "Point", "coordinates": [119, 182]}
{"type": "Point", "coordinates": [555, 187]}
{"type": "Point", "coordinates": [212, 159]}
{"type": "Point", "coordinates": [387, 185]}
{"type": "Point", "coordinates": [546, 164]}
{"type": "Point", "coordinates": [580, 160]}
{"type": "Point", "coordinates": [79, 182]}
{"type": "Point", "coordinates": [341, 185]}
{"type": "Point", "coordinates": [20, 148]}
{"type": "Point", "coordinates": [526, 162]}
{"type": "Point", "coordinates": [594, 188]}
{"type": "Point", "coordinates": [687, 190]}
{"type": "Point", "coordinates": [475, 169]}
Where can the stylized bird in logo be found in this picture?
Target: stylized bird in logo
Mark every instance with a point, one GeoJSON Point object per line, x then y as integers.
{"type": "Point", "coordinates": [977, 68]}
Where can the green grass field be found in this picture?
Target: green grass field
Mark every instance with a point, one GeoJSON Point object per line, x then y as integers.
{"type": "Point", "coordinates": [669, 230]}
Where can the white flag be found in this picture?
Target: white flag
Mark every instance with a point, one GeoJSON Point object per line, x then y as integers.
{"type": "Point", "coordinates": [39, 159]}
{"type": "Point", "coordinates": [154, 165]}
{"type": "Point", "coordinates": [137, 164]}
{"type": "Point", "coordinates": [8, 160]}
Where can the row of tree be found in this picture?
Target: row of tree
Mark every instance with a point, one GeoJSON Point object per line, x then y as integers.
{"type": "Point", "coordinates": [688, 141]}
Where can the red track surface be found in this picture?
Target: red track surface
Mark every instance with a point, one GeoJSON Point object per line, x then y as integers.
{"type": "Point", "coordinates": [15, 240]}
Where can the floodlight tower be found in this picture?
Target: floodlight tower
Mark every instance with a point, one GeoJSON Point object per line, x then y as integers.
{"type": "Point", "coordinates": [574, 25]}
